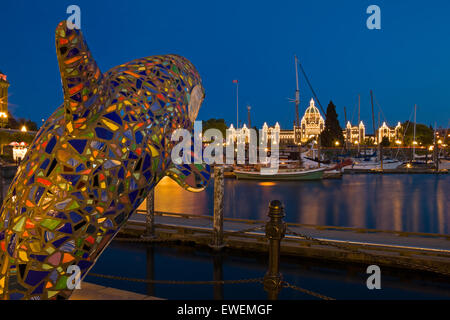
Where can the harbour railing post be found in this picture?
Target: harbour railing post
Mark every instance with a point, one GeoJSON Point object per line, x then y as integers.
{"type": "Point", "coordinates": [217, 241]}
{"type": "Point", "coordinates": [275, 231]}
{"type": "Point", "coordinates": [150, 216]}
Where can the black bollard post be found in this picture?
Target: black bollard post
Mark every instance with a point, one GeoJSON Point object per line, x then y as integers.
{"type": "Point", "coordinates": [217, 241]}
{"type": "Point", "coordinates": [275, 231]}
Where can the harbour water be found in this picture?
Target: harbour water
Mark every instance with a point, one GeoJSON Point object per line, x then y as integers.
{"type": "Point", "coordinates": [391, 202]}
{"type": "Point", "coordinates": [184, 263]}
{"type": "Point", "coordinates": [413, 202]}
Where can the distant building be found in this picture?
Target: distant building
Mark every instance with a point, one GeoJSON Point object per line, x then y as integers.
{"type": "Point", "coordinates": [270, 133]}
{"type": "Point", "coordinates": [241, 135]}
{"type": "Point", "coordinates": [311, 125]}
{"type": "Point", "coordinates": [354, 134]}
{"type": "Point", "coordinates": [392, 133]}
{"type": "Point", "coordinates": [357, 134]}
{"type": "Point", "coordinates": [4, 84]}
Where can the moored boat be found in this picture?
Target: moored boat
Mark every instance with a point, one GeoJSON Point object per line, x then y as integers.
{"type": "Point", "coordinates": [281, 174]}
{"type": "Point", "coordinates": [374, 165]}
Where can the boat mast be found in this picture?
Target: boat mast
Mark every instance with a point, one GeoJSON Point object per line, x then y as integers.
{"type": "Point", "coordinates": [237, 105]}
{"type": "Point", "coordinates": [297, 103]}
{"type": "Point", "coordinates": [346, 131]}
{"type": "Point", "coordinates": [297, 94]}
{"type": "Point", "coordinates": [376, 131]}
{"type": "Point", "coordinates": [359, 120]}
{"type": "Point", "coordinates": [414, 136]}
{"type": "Point", "coordinates": [375, 138]}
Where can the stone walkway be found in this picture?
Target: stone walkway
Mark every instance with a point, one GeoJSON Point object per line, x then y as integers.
{"type": "Point", "coordinates": [90, 291]}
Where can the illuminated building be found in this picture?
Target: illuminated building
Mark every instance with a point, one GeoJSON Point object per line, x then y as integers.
{"type": "Point", "coordinates": [354, 134]}
{"type": "Point", "coordinates": [392, 133]}
{"type": "Point", "coordinates": [312, 123]}
{"type": "Point", "coordinates": [4, 84]}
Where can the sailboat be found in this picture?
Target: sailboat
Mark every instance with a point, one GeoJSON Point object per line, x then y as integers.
{"type": "Point", "coordinates": [290, 174]}
{"type": "Point", "coordinates": [375, 161]}
{"type": "Point", "coordinates": [286, 169]}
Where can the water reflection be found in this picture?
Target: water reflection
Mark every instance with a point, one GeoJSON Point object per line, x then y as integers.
{"type": "Point", "coordinates": [417, 203]}
{"type": "Point", "coordinates": [170, 262]}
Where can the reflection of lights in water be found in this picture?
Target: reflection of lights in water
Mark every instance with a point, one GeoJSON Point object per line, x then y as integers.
{"type": "Point", "coordinates": [362, 201]}
{"type": "Point", "coordinates": [170, 197]}
{"type": "Point", "coordinates": [267, 184]}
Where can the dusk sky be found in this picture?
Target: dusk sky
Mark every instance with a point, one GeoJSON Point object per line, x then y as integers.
{"type": "Point", "coordinates": [407, 62]}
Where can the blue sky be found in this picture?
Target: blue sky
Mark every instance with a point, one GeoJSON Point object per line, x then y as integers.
{"type": "Point", "coordinates": [407, 62]}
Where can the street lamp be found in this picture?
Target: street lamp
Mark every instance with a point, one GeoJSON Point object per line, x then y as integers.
{"type": "Point", "coordinates": [23, 129]}
{"type": "Point", "coordinates": [336, 143]}
{"type": "Point", "coordinates": [3, 119]}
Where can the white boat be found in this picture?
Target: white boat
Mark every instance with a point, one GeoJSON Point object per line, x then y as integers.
{"type": "Point", "coordinates": [374, 165]}
{"type": "Point", "coordinates": [280, 174]}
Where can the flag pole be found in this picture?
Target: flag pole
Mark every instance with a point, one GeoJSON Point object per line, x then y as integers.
{"type": "Point", "coordinates": [237, 104]}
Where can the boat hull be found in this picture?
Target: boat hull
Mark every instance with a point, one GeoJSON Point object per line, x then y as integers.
{"type": "Point", "coordinates": [285, 176]}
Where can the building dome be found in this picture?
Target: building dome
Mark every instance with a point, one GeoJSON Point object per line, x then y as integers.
{"type": "Point", "coordinates": [312, 109]}
{"type": "Point", "coordinates": [312, 123]}
{"type": "Point", "coordinates": [312, 114]}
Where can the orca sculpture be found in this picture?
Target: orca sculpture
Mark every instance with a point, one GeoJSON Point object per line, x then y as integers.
{"type": "Point", "coordinates": [92, 164]}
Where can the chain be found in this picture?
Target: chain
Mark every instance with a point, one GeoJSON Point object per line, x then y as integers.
{"type": "Point", "coordinates": [311, 293]}
{"type": "Point", "coordinates": [143, 239]}
{"type": "Point", "coordinates": [210, 282]}
{"type": "Point", "coordinates": [371, 255]}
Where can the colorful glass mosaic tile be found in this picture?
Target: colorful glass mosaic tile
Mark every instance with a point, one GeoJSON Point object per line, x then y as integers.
{"type": "Point", "coordinates": [92, 164]}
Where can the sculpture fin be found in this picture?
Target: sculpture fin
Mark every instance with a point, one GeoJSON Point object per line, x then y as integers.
{"type": "Point", "coordinates": [192, 177]}
{"type": "Point", "coordinates": [81, 77]}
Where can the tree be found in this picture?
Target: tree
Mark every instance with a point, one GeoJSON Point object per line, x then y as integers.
{"type": "Point", "coordinates": [424, 134]}
{"type": "Point", "coordinates": [215, 124]}
{"type": "Point", "coordinates": [385, 142]}
{"type": "Point", "coordinates": [333, 130]}
{"type": "Point", "coordinates": [30, 125]}
{"type": "Point", "coordinates": [17, 124]}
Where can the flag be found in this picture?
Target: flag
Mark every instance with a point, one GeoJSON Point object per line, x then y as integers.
{"type": "Point", "coordinates": [235, 81]}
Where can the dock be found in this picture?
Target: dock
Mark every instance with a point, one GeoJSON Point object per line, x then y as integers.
{"type": "Point", "coordinates": [397, 171]}
{"type": "Point", "coordinates": [410, 250]}
{"type": "Point", "coordinates": [327, 175]}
